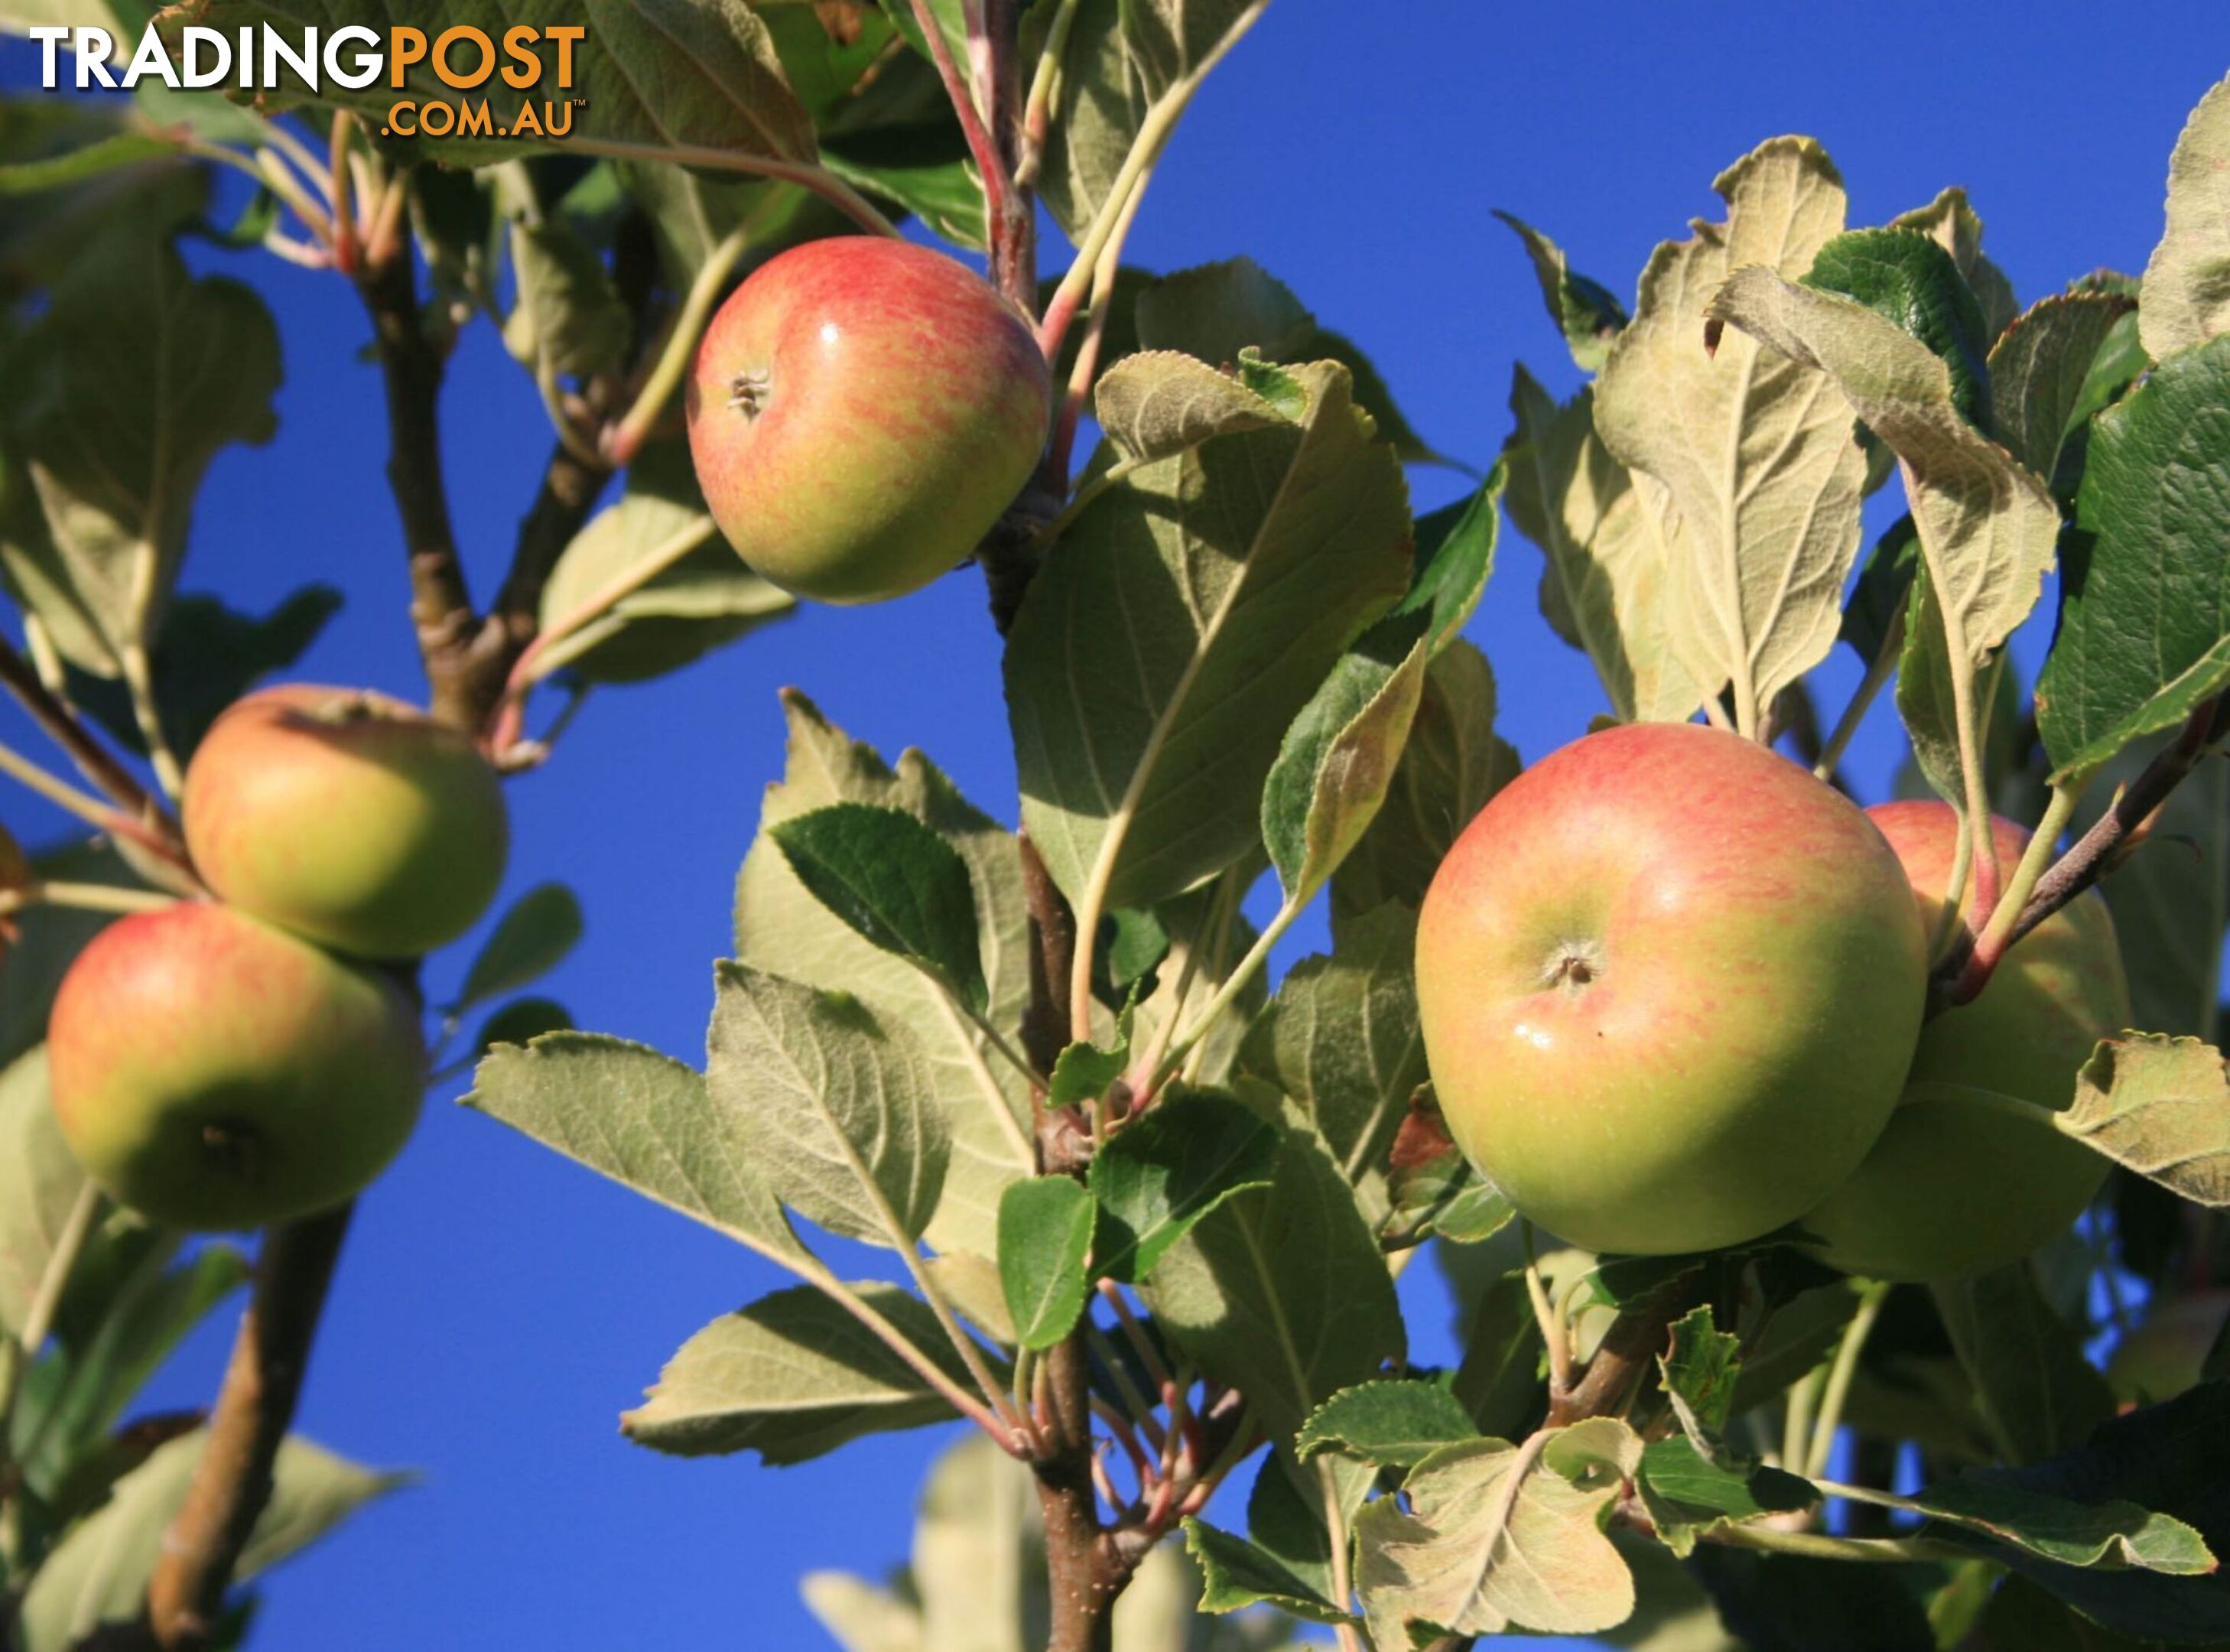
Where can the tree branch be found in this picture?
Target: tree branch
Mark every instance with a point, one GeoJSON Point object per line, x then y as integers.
{"type": "Point", "coordinates": [1082, 1563]}
{"type": "Point", "coordinates": [95, 761]}
{"type": "Point", "coordinates": [440, 605]}
{"type": "Point", "coordinates": [2116, 832]}
{"type": "Point", "coordinates": [254, 1408]}
{"type": "Point", "coordinates": [1629, 1352]}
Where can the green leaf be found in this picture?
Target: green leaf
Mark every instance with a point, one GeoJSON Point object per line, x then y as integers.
{"type": "Point", "coordinates": [1987, 527]}
{"type": "Point", "coordinates": [831, 1101]}
{"type": "Point", "coordinates": [567, 318]}
{"type": "Point", "coordinates": [1453, 763]}
{"type": "Point", "coordinates": [703, 601]}
{"type": "Point", "coordinates": [206, 656]}
{"type": "Point", "coordinates": [1280, 1290]}
{"type": "Point", "coordinates": [1124, 64]}
{"type": "Point", "coordinates": [1044, 1236]}
{"type": "Point", "coordinates": [1163, 1170]}
{"type": "Point", "coordinates": [94, 159]}
{"type": "Point", "coordinates": [48, 939]}
{"type": "Point", "coordinates": [2144, 606]}
{"type": "Point", "coordinates": [642, 1119]}
{"type": "Point", "coordinates": [1906, 277]}
{"type": "Point", "coordinates": [922, 167]}
{"type": "Point", "coordinates": [115, 457]}
{"type": "Point", "coordinates": [1687, 1494]}
{"type": "Point", "coordinates": [2039, 368]}
{"type": "Point", "coordinates": [1433, 1188]}
{"type": "Point", "coordinates": [1455, 559]}
{"type": "Point", "coordinates": [2037, 1393]}
{"type": "Point", "coordinates": [781, 925]}
{"type": "Point", "coordinates": [1502, 1536]}
{"type": "Point", "coordinates": [1787, 1603]}
{"type": "Point", "coordinates": [1883, 589]}
{"type": "Point", "coordinates": [1699, 1371]}
{"type": "Point", "coordinates": [2159, 1107]}
{"type": "Point", "coordinates": [1193, 608]}
{"type": "Point", "coordinates": [140, 1313]}
{"type": "Point", "coordinates": [1158, 402]}
{"type": "Point", "coordinates": [1603, 585]}
{"type": "Point", "coordinates": [1952, 222]}
{"type": "Point", "coordinates": [645, 74]}
{"type": "Point", "coordinates": [1393, 1424]}
{"type": "Point", "coordinates": [1497, 1382]}
{"type": "Point", "coordinates": [1589, 313]}
{"type": "Point", "coordinates": [2112, 1535]}
{"type": "Point", "coordinates": [825, 50]}
{"type": "Point", "coordinates": [521, 1022]}
{"type": "Point", "coordinates": [1083, 1072]}
{"type": "Point", "coordinates": [792, 1377]}
{"type": "Point", "coordinates": [1236, 1574]}
{"type": "Point", "coordinates": [1219, 312]}
{"type": "Point", "coordinates": [1340, 1038]}
{"type": "Point", "coordinates": [2167, 1459]}
{"type": "Point", "coordinates": [45, 227]}
{"type": "Point", "coordinates": [2171, 899]}
{"type": "Point", "coordinates": [1803, 1331]}
{"type": "Point", "coordinates": [532, 938]}
{"type": "Point", "coordinates": [39, 1183]}
{"type": "Point", "coordinates": [1338, 759]}
{"type": "Point", "coordinates": [2186, 289]}
{"type": "Point", "coordinates": [1751, 482]}
{"type": "Point", "coordinates": [893, 880]}
{"type": "Point", "coordinates": [98, 1573]}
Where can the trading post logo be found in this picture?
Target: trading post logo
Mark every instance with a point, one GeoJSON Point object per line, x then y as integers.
{"type": "Point", "coordinates": [353, 57]}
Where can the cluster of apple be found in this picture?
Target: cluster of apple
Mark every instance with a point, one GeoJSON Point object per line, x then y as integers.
{"type": "Point", "coordinates": [1672, 991]}
{"type": "Point", "coordinates": [227, 1063]}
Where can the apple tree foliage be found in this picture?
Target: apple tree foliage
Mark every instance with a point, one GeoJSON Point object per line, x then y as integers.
{"type": "Point", "coordinates": [1142, 1209]}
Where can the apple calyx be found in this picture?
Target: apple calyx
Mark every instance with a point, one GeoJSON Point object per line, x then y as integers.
{"type": "Point", "coordinates": [749, 392]}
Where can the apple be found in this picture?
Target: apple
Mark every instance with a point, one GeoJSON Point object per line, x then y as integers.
{"type": "Point", "coordinates": [213, 1072]}
{"type": "Point", "coordinates": [2162, 1357]}
{"type": "Point", "coordinates": [1955, 1187]}
{"type": "Point", "coordinates": [1669, 985]}
{"type": "Point", "coordinates": [348, 817]}
{"type": "Point", "coordinates": [862, 412]}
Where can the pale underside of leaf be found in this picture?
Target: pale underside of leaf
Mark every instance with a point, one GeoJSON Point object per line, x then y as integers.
{"type": "Point", "coordinates": [2160, 1107]}
{"type": "Point", "coordinates": [781, 926]}
{"type": "Point", "coordinates": [2185, 299]}
{"type": "Point", "coordinates": [1989, 526]}
{"type": "Point", "coordinates": [1156, 403]}
{"type": "Point", "coordinates": [1748, 478]}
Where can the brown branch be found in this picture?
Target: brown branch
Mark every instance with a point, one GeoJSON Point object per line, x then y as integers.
{"type": "Point", "coordinates": [1083, 1566]}
{"type": "Point", "coordinates": [2111, 838]}
{"type": "Point", "coordinates": [254, 1408]}
{"type": "Point", "coordinates": [1628, 1354]}
{"type": "Point", "coordinates": [93, 760]}
{"type": "Point", "coordinates": [441, 604]}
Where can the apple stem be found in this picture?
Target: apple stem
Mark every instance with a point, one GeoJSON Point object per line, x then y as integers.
{"type": "Point", "coordinates": [1997, 931]}
{"type": "Point", "coordinates": [91, 809]}
{"type": "Point", "coordinates": [1044, 80]}
{"type": "Point", "coordinates": [85, 897]}
{"type": "Point", "coordinates": [1872, 1295]}
{"type": "Point", "coordinates": [1086, 366]}
{"type": "Point", "coordinates": [1877, 678]}
{"type": "Point", "coordinates": [625, 439]}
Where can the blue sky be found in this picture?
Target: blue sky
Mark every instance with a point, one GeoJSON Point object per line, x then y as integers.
{"type": "Point", "coordinates": [497, 1307]}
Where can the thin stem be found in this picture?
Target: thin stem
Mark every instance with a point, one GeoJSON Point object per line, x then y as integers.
{"type": "Point", "coordinates": [1982, 853]}
{"type": "Point", "coordinates": [1772, 1539]}
{"type": "Point", "coordinates": [58, 792]}
{"type": "Point", "coordinates": [1796, 1421]}
{"type": "Point", "coordinates": [1940, 1094]}
{"type": "Point", "coordinates": [660, 559]}
{"type": "Point", "coordinates": [86, 897]}
{"type": "Point", "coordinates": [138, 677]}
{"type": "Point", "coordinates": [338, 191]}
{"type": "Point", "coordinates": [1716, 714]}
{"type": "Point", "coordinates": [1232, 985]}
{"type": "Point", "coordinates": [1343, 1586]}
{"type": "Point", "coordinates": [991, 167]}
{"type": "Point", "coordinates": [1044, 80]}
{"type": "Point", "coordinates": [1862, 699]}
{"type": "Point", "coordinates": [1087, 355]}
{"type": "Point", "coordinates": [1830, 1418]}
{"type": "Point", "coordinates": [1135, 1333]}
{"type": "Point", "coordinates": [283, 183]}
{"type": "Point", "coordinates": [2012, 901]}
{"type": "Point", "coordinates": [826, 184]}
{"type": "Point", "coordinates": [280, 138]}
{"type": "Point", "coordinates": [39, 1315]}
{"type": "Point", "coordinates": [1553, 1334]}
{"type": "Point", "coordinates": [64, 727]}
{"type": "Point", "coordinates": [624, 440]}
{"type": "Point", "coordinates": [1154, 134]}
